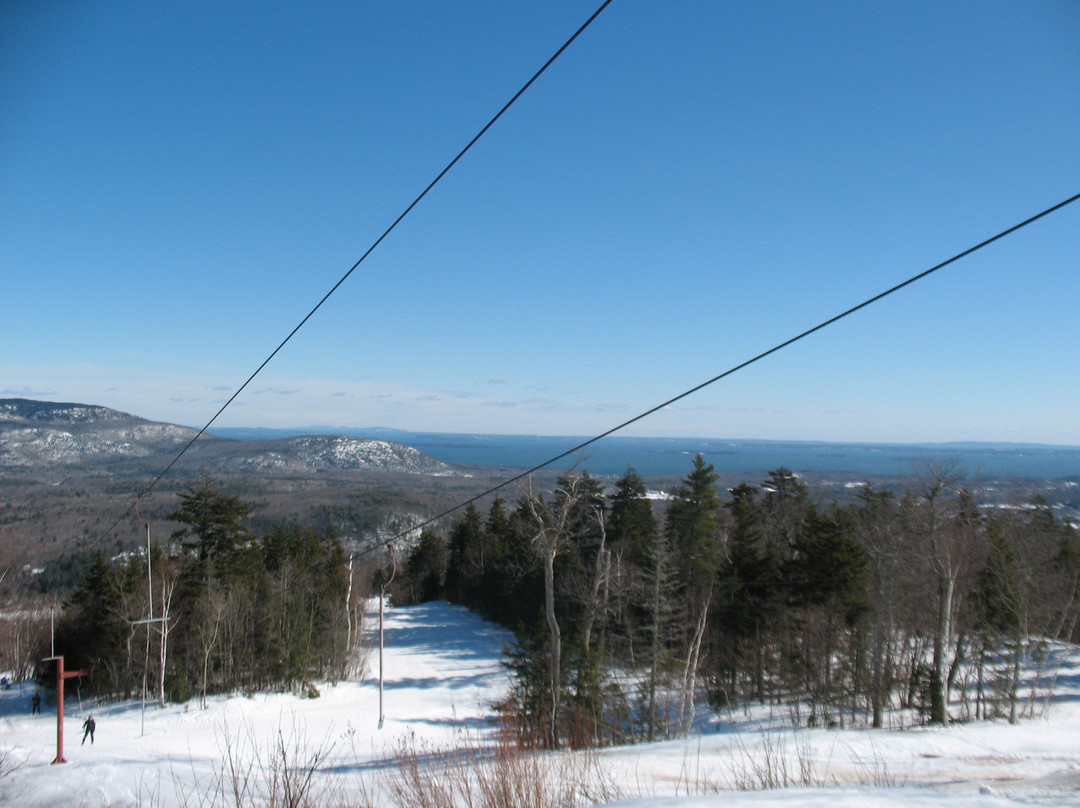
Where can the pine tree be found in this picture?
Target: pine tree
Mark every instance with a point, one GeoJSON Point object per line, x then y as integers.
{"type": "Point", "coordinates": [466, 559]}
{"type": "Point", "coordinates": [829, 566]}
{"type": "Point", "coordinates": [997, 588]}
{"type": "Point", "coordinates": [660, 624]}
{"type": "Point", "coordinates": [1001, 604]}
{"type": "Point", "coordinates": [693, 526]}
{"type": "Point", "coordinates": [216, 522]}
{"type": "Point", "coordinates": [426, 567]}
{"type": "Point", "coordinates": [751, 587]}
{"type": "Point", "coordinates": [785, 508]}
{"type": "Point", "coordinates": [631, 522]}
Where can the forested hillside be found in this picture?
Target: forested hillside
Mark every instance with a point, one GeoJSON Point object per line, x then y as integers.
{"type": "Point", "coordinates": [631, 609]}
{"type": "Point", "coordinates": [626, 607]}
{"type": "Point", "coordinates": [230, 610]}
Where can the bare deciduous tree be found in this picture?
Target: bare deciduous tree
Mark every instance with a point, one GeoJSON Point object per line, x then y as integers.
{"type": "Point", "coordinates": [934, 482]}
{"type": "Point", "coordinates": [551, 523]}
{"type": "Point", "coordinates": [875, 527]}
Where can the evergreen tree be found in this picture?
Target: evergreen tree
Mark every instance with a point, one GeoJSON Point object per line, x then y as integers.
{"type": "Point", "coordinates": [426, 568]}
{"type": "Point", "coordinates": [693, 524]}
{"type": "Point", "coordinates": [829, 566]}
{"type": "Point", "coordinates": [631, 522]}
{"type": "Point", "coordinates": [88, 635]}
{"type": "Point", "coordinates": [1002, 607]}
{"type": "Point", "coordinates": [465, 563]}
{"type": "Point", "coordinates": [216, 523]}
{"type": "Point", "coordinates": [751, 573]}
{"type": "Point", "coordinates": [660, 622]}
{"type": "Point", "coordinates": [498, 526]}
{"type": "Point", "coordinates": [785, 508]}
{"type": "Point", "coordinates": [997, 588]}
{"type": "Point", "coordinates": [750, 579]}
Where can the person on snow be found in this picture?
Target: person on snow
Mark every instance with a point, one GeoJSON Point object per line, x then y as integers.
{"type": "Point", "coordinates": [35, 703]}
{"type": "Point", "coordinates": [88, 729]}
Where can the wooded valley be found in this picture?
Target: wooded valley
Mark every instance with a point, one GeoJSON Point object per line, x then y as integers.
{"type": "Point", "coordinates": [628, 607]}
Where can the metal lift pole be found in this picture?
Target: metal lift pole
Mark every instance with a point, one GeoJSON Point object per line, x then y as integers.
{"type": "Point", "coordinates": [150, 602]}
{"type": "Point", "coordinates": [61, 675]}
{"type": "Point", "coordinates": [382, 599]}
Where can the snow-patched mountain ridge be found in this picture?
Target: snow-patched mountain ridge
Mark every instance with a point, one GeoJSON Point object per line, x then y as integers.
{"type": "Point", "coordinates": [36, 434]}
{"type": "Point", "coordinates": [40, 436]}
{"type": "Point", "coordinates": [30, 446]}
{"type": "Point", "coordinates": [25, 410]}
{"type": "Point", "coordinates": [340, 452]}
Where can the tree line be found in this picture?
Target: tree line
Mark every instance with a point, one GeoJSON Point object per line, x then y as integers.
{"type": "Point", "coordinates": [626, 607]}
{"type": "Point", "coordinates": [629, 610]}
{"type": "Point", "coordinates": [230, 611]}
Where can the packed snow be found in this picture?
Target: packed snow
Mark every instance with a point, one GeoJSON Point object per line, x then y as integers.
{"type": "Point", "coordinates": [442, 676]}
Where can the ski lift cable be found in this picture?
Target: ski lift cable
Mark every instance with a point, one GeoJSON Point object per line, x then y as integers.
{"type": "Point", "coordinates": [786, 343]}
{"type": "Point", "coordinates": [361, 259]}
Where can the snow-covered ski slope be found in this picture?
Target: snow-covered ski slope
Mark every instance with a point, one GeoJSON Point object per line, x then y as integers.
{"type": "Point", "coordinates": [442, 674]}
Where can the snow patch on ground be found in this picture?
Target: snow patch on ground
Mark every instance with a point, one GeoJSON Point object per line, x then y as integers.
{"type": "Point", "coordinates": [442, 676]}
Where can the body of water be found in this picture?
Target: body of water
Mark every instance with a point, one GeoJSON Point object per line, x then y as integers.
{"type": "Point", "coordinates": [656, 457]}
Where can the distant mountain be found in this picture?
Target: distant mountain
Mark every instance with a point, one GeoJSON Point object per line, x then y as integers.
{"type": "Point", "coordinates": [330, 452]}
{"type": "Point", "coordinates": [26, 410]}
{"type": "Point", "coordinates": [42, 436]}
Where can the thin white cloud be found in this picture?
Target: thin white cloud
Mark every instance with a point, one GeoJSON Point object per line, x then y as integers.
{"type": "Point", "coordinates": [22, 391]}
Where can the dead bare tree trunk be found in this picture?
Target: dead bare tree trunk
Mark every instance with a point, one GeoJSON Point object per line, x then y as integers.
{"type": "Point", "coordinates": [546, 542]}
{"type": "Point", "coordinates": [216, 606]}
{"type": "Point", "coordinates": [597, 595]}
{"type": "Point", "coordinates": [555, 670]}
{"type": "Point", "coordinates": [168, 589]}
{"type": "Point", "coordinates": [348, 620]}
{"type": "Point", "coordinates": [933, 481]}
{"type": "Point", "coordinates": [939, 697]}
{"type": "Point", "coordinates": [877, 674]}
{"type": "Point", "coordinates": [687, 707]}
{"type": "Point", "coordinates": [552, 524]}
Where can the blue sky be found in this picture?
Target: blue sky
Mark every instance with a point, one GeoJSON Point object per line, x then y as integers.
{"type": "Point", "coordinates": [688, 185]}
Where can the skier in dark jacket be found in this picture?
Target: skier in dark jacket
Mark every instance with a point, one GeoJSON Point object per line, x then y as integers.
{"type": "Point", "coordinates": [88, 729]}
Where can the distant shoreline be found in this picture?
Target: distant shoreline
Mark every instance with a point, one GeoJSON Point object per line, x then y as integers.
{"type": "Point", "coordinates": [660, 457]}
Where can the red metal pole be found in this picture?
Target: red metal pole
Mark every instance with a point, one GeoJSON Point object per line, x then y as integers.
{"type": "Point", "coordinates": [61, 675]}
{"type": "Point", "coordinates": [59, 711]}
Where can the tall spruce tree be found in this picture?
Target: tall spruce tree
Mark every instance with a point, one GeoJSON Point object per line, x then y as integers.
{"type": "Point", "coordinates": [785, 508]}
{"type": "Point", "coordinates": [426, 568]}
{"type": "Point", "coordinates": [465, 563]}
{"type": "Point", "coordinates": [693, 525]}
{"type": "Point", "coordinates": [829, 565]}
{"type": "Point", "coordinates": [751, 579]}
{"type": "Point", "coordinates": [660, 621]}
{"type": "Point", "coordinates": [631, 522]}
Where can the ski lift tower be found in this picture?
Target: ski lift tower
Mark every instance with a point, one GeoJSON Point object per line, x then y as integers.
{"type": "Point", "coordinates": [61, 675]}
